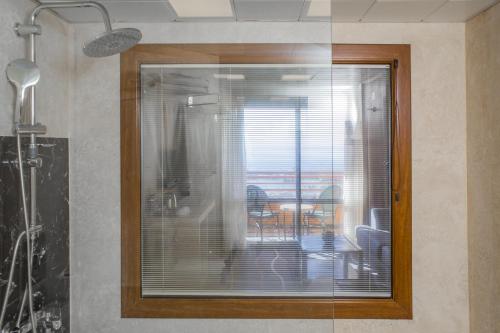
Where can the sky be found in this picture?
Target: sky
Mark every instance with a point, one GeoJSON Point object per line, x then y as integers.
{"type": "Point", "coordinates": [270, 140]}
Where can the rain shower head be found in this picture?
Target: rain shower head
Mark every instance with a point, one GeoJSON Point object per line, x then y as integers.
{"type": "Point", "coordinates": [112, 42]}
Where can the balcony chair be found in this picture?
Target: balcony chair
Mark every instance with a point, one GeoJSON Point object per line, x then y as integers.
{"type": "Point", "coordinates": [259, 209]}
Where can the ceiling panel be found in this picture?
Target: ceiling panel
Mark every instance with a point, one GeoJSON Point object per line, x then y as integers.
{"type": "Point", "coordinates": [316, 10]}
{"type": "Point", "coordinates": [343, 10]}
{"type": "Point", "coordinates": [202, 8]}
{"type": "Point", "coordinates": [401, 10]}
{"type": "Point", "coordinates": [350, 11]}
{"type": "Point", "coordinates": [459, 10]}
{"type": "Point", "coordinates": [268, 10]}
{"type": "Point", "coordinates": [282, 10]}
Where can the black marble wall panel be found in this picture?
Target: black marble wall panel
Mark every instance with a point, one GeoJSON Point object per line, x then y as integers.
{"type": "Point", "coordinates": [51, 260]}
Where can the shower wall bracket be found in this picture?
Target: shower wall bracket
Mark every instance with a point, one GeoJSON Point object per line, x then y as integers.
{"type": "Point", "coordinates": [27, 29]}
{"type": "Point", "coordinates": [26, 129]}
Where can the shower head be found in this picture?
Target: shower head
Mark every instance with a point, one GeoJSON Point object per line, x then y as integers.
{"type": "Point", "coordinates": [112, 42]}
{"type": "Point", "coordinates": [23, 74]}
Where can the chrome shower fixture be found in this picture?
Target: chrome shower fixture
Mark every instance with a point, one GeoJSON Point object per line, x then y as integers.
{"type": "Point", "coordinates": [105, 44]}
{"type": "Point", "coordinates": [23, 74]}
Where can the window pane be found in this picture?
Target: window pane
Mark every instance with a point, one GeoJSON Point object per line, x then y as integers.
{"type": "Point", "coordinates": [270, 149]}
{"type": "Point", "coordinates": [361, 139]}
{"type": "Point", "coordinates": [254, 184]}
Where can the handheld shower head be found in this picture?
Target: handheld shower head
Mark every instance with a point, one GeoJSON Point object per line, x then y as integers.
{"type": "Point", "coordinates": [112, 42]}
{"type": "Point", "coordinates": [23, 74]}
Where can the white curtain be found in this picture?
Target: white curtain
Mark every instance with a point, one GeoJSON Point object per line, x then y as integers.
{"type": "Point", "coordinates": [234, 205]}
{"type": "Point", "coordinates": [354, 180]}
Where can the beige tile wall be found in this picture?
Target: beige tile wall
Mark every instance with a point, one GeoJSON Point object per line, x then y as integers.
{"type": "Point", "coordinates": [483, 169]}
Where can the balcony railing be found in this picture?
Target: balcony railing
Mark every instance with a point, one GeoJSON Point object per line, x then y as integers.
{"type": "Point", "coordinates": [282, 186]}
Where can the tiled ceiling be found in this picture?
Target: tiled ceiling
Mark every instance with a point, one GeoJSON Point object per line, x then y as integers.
{"type": "Point", "coordinates": [282, 10]}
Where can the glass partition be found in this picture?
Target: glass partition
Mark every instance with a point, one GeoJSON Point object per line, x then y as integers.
{"type": "Point", "coordinates": [256, 174]}
{"type": "Point", "coordinates": [241, 192]}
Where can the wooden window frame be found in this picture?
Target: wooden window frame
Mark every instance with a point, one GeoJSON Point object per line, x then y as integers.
{"type": "Point", "coordinates": [399, 306]}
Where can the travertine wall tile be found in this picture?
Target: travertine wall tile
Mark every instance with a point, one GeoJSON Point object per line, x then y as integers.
{"type": "Point", "coordinates": [483, 169]}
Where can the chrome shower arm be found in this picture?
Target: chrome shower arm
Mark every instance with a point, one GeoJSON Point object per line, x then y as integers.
{"type": "Point", "coordinates": [72, 4]}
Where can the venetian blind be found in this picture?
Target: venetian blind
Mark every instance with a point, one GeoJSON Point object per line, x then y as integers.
{"type": "Point", "coordinates": [266, 180]}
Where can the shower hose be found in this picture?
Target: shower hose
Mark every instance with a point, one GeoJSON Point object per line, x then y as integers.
{"type": "Point", "coordinates": [29, 250]}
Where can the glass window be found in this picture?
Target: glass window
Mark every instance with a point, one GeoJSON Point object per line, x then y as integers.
{"type": "Point", "coordinates": [256, 182]}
